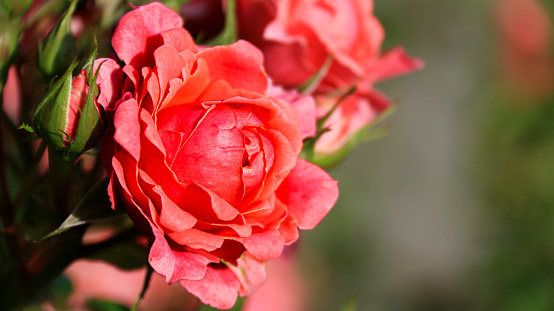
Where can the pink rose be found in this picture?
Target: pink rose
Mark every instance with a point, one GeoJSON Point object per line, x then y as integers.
{"type": "Point", "coordinates": [204, 161]}
{"type": "Point", "coordinates": [298, 37]}
{"type": "Point", "coordinates": [526, 30]}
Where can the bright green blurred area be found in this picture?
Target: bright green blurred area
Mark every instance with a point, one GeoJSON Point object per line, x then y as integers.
{"type": "Point", "coordinates": [454, 208]}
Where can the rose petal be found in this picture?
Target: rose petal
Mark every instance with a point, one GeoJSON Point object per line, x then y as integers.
{"type": "Point", "coordinates": [127, 128]}
{"type": "Point", "coordinates": [180, 39]}
{"type": "Point", "coordinates": [264, 246]}
{"type": "Point", "coordinates": [175, 265]}
{"type": "Point", "coordinates": [137, 34]}
{"type": "Point", "coordinates": [109, 81]}
{"type": "Point", "coordinates": [391, 64]}
{"type": "Point", "coordinates": [250, 273]}
{"type": "Point", "coordinates": [197, 239]}
{"type": "Point", "coordinates": [309, 193]}
{"type": "Point", "coordinates": [218, 288]}
{"type": "Point", "coordinates": [240, 64]}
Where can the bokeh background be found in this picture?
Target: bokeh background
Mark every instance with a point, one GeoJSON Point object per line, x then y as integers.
{"type": "Point", "coordinates": [454, 208]}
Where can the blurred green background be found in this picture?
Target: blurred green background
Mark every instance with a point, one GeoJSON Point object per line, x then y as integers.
{"type": "Point", "coordinates": [454, 208]}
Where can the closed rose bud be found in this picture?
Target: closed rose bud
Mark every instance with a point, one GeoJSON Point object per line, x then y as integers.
{"type": "Point", "coordinates": [58, 48]}
{"type": "Point", "coordinates": [68, 116]}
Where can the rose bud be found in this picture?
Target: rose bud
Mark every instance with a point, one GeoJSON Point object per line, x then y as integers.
{"type": "Point", "coordinates": [58, 48]}
{"type": "Point", "coordinates": [68, 116]}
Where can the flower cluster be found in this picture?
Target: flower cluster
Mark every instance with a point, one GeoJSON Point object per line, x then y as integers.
{"type": "Point", "coordinates": [204, 128]}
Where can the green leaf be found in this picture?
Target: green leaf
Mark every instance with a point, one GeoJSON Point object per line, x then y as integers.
{"type": "Point", "coordinates": [95, 206]}
{"type": "Point", "coordinates": [229, 33]}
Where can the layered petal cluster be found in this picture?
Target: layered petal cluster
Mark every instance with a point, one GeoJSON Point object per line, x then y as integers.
{"type": "Point", "coordinates": [298, 38]}
{"type": "Point", "coordinates": [205, 162]}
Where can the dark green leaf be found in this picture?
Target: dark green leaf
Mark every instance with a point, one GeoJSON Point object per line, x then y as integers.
{"type": "Point", "coordinates": [95, 206]}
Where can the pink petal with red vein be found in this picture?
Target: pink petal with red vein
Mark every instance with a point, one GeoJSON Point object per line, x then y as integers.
{"type": "Point", "coordinates": [212, 155]}
{"type": "Point", "coordinates": [127, 128]}
{"type": "Point", "coordinates": [222, 209]}
{"type": "Point", "coordinates": [180, 39]}
{"type": "Point", "coordinates": [175, 265]}
{"type": "Point", "coordinates": [168, 65]}
{"type": "Point", "coordinates": [109, 81]}
{"type": "Point", "coordinates": [190, 89]}
{"type": "Point", "coordinates": [240, 64]}
{"type": "Point", "coordinates": [172, 216]}
{"type": "Point", "coordinates": [137, 34]}
{"type": "Point", "coordinates": [309, 193]}
{"type": "Point", "coordinates": [197, 239]}
{"type": "Point", "coordinates": [139, 217]}
{"type": "Point", "coordinates": [289, 230]}
{"type": "Point", "coordinates": [218, 288]}
{"type": "Point", "coordinates": [264, 246]}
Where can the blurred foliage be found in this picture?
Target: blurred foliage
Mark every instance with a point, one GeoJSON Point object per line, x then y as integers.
{"type": "Point", "coordinates": [518, 176]}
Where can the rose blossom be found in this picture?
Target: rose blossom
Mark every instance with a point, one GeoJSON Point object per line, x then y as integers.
{"type": "Point", "coordinates": [297, 37]}
{"type": "Point", "coordinates": [525, 30]}
{"type": "Point", "coordinates": [204, 161]}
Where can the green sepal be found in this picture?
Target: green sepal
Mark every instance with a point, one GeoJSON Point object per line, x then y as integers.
{"type": "Point", "coordinates": [58, 48]}
{"type": "Point", "coordinates": [370, 132]}
{"type": "Point", "coordinates": [49, 117]}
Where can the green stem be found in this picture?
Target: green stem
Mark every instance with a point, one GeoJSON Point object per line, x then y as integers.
{"type": "Point", "coordinates": [145, 285]}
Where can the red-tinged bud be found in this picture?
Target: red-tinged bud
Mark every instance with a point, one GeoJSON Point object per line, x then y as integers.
{"type": "Point", "coordinates": [68, 116]}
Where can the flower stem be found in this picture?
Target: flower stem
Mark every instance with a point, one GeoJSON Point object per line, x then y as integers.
{"type": "Point", "coordinates": [145, 285]}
